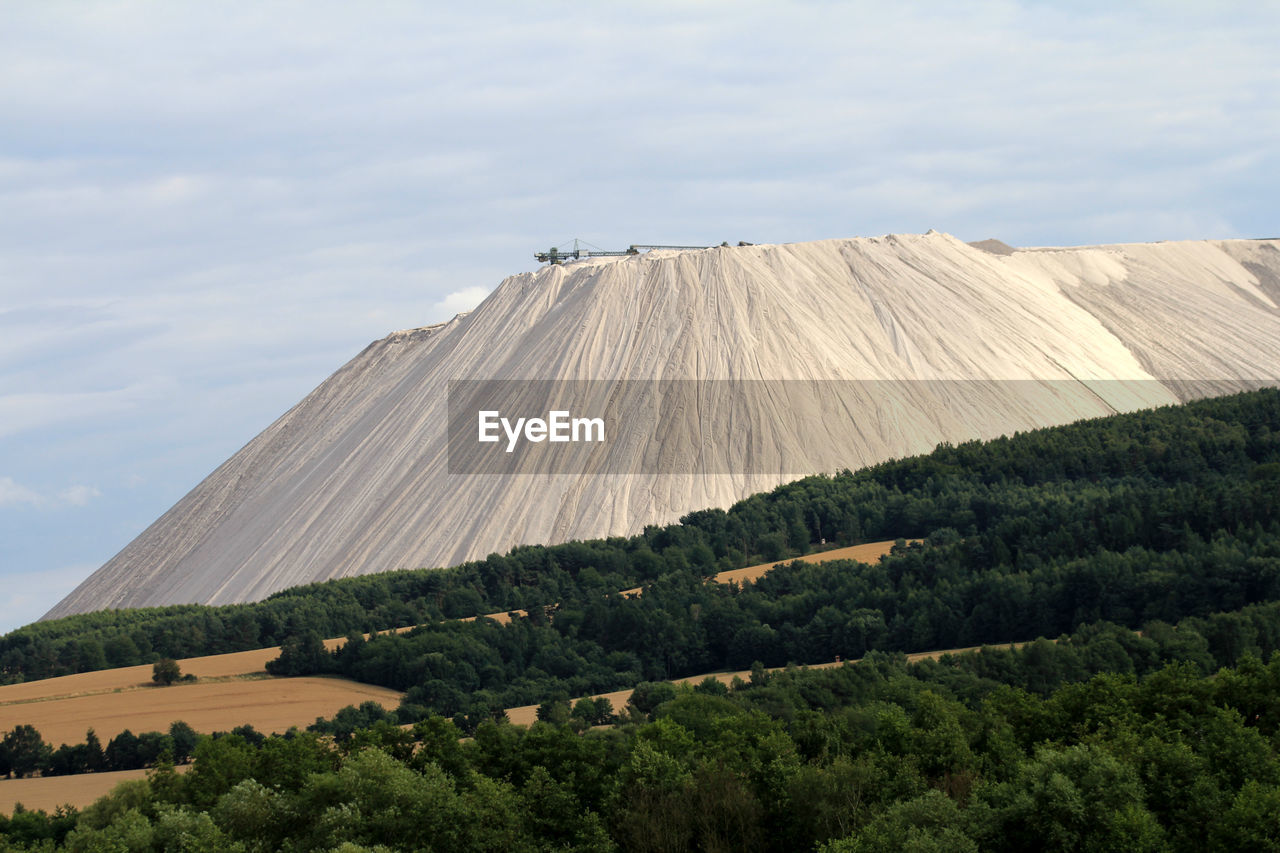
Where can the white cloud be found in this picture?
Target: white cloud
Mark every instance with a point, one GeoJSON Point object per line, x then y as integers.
{"type": "Point", "coordinates": [35, 409]}
{"type": "Point", "coordinates": [457, 302]}
{"type": "Point", "coordinates": [13, 493]}
{"type": "Point", "coordinates": [78, 495]}
{"type": "Point", "coordinates": [16, 494]}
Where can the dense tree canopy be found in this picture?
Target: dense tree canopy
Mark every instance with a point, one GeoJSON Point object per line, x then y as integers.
{"type": "Point", "coordinates": [1129, 742]}
{"type": "Point", "coordinates": [1159, 480]}
{"type": "Point", "coordinates": [1145, 547]}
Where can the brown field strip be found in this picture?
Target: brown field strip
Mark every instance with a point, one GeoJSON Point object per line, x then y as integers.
{"type": "Point", "coordinates": [135, 677]}
{"type": "Point", "coordinates": [47, 793]}
{"type": "Point", "coordinates": [208, 668]}
{"type": "Point", "coordinates": [867, 552]}
{"type": "Point", "coordinates": [269, 705]}
{"type": "Point", "coordinates": [526, 715]}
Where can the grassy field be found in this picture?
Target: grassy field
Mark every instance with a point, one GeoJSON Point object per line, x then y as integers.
{"type": "Point", "coordinates": [234, 690]}
{"type": "Point", "coordinates": [210, 667]}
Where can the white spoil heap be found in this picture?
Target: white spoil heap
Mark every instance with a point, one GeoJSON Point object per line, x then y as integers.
{"type": "Point", "coordinates": [354, 479]}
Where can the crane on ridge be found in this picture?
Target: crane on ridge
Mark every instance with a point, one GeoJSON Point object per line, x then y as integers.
{"type": "Point", "coordinates": [556, 255]}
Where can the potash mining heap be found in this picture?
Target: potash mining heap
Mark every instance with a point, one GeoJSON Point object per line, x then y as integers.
{"type": "Point", "coordinates": [356, 479]}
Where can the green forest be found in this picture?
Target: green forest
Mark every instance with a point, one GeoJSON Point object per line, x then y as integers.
{"type": "Point", "coordinates": [1145, 545]}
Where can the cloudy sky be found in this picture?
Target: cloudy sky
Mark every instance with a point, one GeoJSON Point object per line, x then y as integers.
{"type": "Point", "coordinates": [206, 208]}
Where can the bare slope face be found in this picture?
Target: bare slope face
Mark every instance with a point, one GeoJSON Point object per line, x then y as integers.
{"type": "Point", "coordinates": [355, 478]}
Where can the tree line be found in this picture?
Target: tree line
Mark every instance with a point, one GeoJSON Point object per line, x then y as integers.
{"type": "Point", "coordinates": [1143, 479]}
{"type": "Point", "coordinates": [1104, 739]}
{"type": "Point", "coordinates": [1177, 514]}
{"type": "Point", "coordinates": [23, 752]}
{"type": "Point", "coordinates": [1148, 544]}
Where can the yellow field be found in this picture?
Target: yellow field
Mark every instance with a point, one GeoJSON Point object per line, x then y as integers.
{"type": "Point", "coordinates": [207, 668]}
{"type": "Point", "coordinates": [269, 705]}
{"type": "Point", "coordinates": [234, 690]}
{"type": "Point", "coordinates": [868, 552]}
{"type": "Point", "coordinates": [135, 677]}
{"type": "Point", "coordinates": [78, 791]}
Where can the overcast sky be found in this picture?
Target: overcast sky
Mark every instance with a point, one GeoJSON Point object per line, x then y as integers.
{"type": "Point", "coordinates": [206, 208]}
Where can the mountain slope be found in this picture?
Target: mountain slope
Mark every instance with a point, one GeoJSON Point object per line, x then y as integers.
{"type": "Point", "coordinates": [356, 477]}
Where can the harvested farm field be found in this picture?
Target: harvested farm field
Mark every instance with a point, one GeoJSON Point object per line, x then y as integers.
{"type": "Point", "coordinates": [135, 677]}
{"type": "Point", "coordinates": [49, 792]}
{"type": "Point", "coordinates": [868, 552]}
{"type": "Point", "coordinates": [251, 663]}
{"type": "Point", "coordinates": [267, 704]}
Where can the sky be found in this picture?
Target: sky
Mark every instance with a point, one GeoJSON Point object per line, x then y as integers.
{"type": "Point", "coordinates": [206, 209]}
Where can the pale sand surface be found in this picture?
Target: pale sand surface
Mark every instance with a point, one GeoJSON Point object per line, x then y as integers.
{"type": "Point", "coordinates": [78, 791]}
{"type": "Point", "coordinates": [355, 478]}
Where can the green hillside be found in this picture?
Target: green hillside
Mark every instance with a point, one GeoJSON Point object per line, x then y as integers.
{"type": "Point", "coordinates": [1148, 544]}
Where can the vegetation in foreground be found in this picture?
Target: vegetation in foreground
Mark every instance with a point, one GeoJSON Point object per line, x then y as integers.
{"type": "Point", "coordinates": [998, 750]}
{"type": "Point", "coordinates": [1107, 741]}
